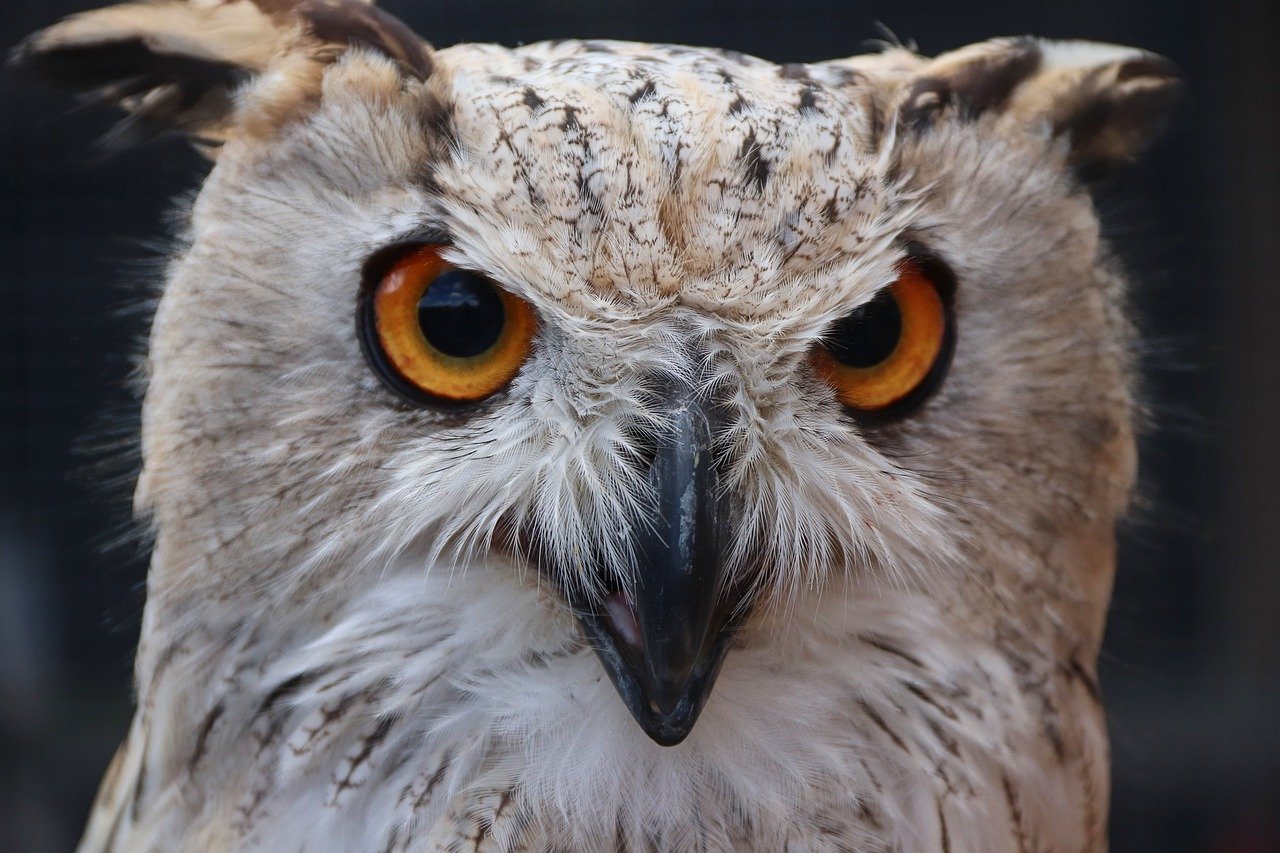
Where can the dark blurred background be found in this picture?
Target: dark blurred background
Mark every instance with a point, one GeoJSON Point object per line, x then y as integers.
{"type": "Point", "coordinates": [1193, 650]}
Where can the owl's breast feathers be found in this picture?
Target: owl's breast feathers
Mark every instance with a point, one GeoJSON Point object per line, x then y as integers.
{"type": "Point", "coordinates": [451, 709]}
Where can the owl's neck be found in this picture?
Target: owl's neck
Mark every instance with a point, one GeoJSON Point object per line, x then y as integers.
{"type": "Point", "coordinates": [453, 702]}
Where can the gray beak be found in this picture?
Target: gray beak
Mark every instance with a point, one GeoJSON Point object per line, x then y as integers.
{"type": "Point", "coordinates": [663, 644]}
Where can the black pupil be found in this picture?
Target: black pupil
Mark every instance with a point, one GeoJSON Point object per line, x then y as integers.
{"type": "Point", "coordinates": [461, 314]}
{"type": "Point", "coordinates": [868, 334]}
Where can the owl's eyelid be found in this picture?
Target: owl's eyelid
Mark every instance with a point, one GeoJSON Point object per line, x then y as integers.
{"type": "Point", "coordinates": [457, 257]}
{"type": "Point", "coordinates": [451, 253]}
{"type": "Point", "coordinates": [432, 233]}
{"type": "Point", "coordinates": [901, 250]}
{"type": "Point", "coordinates": [935, 263]}
{"type": "Point", "coordinates": [380, 260]}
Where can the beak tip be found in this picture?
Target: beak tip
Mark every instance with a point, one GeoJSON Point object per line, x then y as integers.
{"type": "Point", "coordinates": [665, 690]}
{"type": "Point", "coordinates": [668, 714]}
{"type": "Point", "coordinates": [669, 729]}
{"type": "Point", "coordinates": [672, 709]}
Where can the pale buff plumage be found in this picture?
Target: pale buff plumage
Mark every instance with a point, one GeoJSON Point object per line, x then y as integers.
{"type": "Point", "coordinates": [336, 652]}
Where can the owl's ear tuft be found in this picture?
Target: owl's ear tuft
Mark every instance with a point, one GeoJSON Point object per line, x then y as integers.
{"type": "Point", "coordinates": [1108, 102]}
{"type": "Point", "coordinates": [353, 22]}
{"type": "Point", "coordinates": [176, 64]}
{"type": "Point", "coordinates": [969, 81]}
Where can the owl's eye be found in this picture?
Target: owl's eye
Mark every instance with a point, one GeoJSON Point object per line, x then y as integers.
{"type": "Point", "coordinates": [886, 355]}
{"type": "Point", "coordinates": [437, 333]}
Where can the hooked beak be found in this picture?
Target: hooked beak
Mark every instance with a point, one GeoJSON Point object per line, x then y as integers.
{"type": "Point", "coordinates": [663, 643]}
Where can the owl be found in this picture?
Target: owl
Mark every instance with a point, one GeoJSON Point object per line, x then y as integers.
{"type": "Point", "coordinates": [597, 445]}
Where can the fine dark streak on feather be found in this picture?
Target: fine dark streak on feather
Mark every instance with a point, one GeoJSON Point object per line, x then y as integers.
{"type": "Point", "coordinates": [943, 832]}
{"type": "Point", "coordinates": [1074, 670]}
{"type": "Point", "coordinates": [794, 71]}
{"type": "Point", "coordinates": [503, 801]}
{"type": "Point", "coordinates": [808, 100]}
{"type": "Point", "coordinates": [202, 737]}
{"type": "Point", "coordinates": [1015, 813]}
{"type": "Point", "coordinates": [167, 657]}
{"type": "Point", "coordinates": [1089, 795]}
{"type": "Point", "coordinates": [871, 777]}
{"type": "Point", "coordinates": [755, 167]}
{"type": "Point", "coordinates": [531, 99]}
{"type": "Point", "coordinates": [367, 746]}
{"type": "Point", "coordinates": [285, 689]}
{"type": "Point", "coordinates": [647, 90]}
{"type": "Point", "coordinates": [482, 828]}
{"type": "Point", "coordinates": [882, 725]}
{"type": "Point", "coordinates": [139, 786]}
{"type": "Point", "coordinates": [944, 737]}
{"type": "Point", "coordinates": [886, 646]}
{"type": "Point", "coordinates": [327, 715]}
{"type": "Point", "coordinates": [918, 692]}
{"type": "Point", "coordinates": [866, 811]}
{"type": "Point", "coordinates": [445, 763]}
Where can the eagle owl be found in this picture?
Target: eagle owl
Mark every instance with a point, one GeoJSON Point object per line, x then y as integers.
{"type": "Point", "coordinates": [598, 445]}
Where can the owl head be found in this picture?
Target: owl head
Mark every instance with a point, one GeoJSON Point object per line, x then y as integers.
{"type": "Point", "coordinates": [680, 337]}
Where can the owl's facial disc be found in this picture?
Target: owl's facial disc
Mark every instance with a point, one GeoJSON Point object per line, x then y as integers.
{"type": "Point", "coordinates": [663, 642]}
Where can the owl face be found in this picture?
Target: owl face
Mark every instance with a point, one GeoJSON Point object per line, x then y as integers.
{"type": "Point", "coordinates": [679, 336]}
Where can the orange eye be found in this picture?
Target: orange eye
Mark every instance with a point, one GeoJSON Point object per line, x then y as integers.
{"type": "Point", "coordinates": [891, 351]}
{"type": "Point", "coordinates": [441, 333]}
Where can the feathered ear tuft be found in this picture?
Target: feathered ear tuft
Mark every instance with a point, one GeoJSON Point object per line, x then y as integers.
{"type": "Point", "coordinates": [352, 22]}
{"type": "Point", "coordinates": [175, 64]}
{"type": "Point", "coordinates": [1109, 102]}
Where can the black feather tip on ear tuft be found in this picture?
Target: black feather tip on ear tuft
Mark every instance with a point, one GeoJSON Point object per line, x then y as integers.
{"type": "Point", "coordinates": [161, 93]}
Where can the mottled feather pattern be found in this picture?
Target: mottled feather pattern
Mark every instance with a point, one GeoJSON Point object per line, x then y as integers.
{"type": "Point", "coordinates": [347, 645]}
{"type": "Point", "coordinates": [425, 725]}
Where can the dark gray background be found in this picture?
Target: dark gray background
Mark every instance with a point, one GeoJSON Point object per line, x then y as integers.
{"type": "Point", "coordinates": [1193, 649]}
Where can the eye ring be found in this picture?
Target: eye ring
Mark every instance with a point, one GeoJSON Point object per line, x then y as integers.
{"type": "Point", "coordinates": [439, 334]}
{"type": "Point", "coordinates": [884, 358]}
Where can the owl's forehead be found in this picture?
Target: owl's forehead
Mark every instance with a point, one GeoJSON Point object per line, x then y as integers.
{"type": "Point", "coordinates": [640, 172]}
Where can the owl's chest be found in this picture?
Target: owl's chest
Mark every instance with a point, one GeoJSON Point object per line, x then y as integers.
{"type": "Point", "coordinates": [422, 734]}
